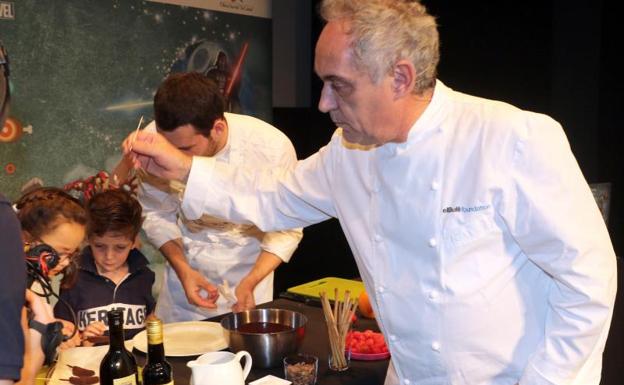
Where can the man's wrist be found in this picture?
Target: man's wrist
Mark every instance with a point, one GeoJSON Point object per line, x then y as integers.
{"type": "Point", "coordinates": [182, 269]}
{"type": "Point", "coordinates": [187, 164]}
{"type": "Point", "coordinates": [249, 280]}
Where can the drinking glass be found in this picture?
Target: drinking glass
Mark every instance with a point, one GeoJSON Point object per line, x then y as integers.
{"type": "Point", "coordinates": [301, 369]}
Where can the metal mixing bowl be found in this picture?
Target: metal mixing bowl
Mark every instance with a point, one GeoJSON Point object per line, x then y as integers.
{"type": "Point", "coordinates": [267, 349]}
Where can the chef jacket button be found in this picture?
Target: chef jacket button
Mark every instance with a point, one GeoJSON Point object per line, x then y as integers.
{"type": "Point", "coordinates": [406, 381]}
{"type": "Point", "coordinates": [435, 345]}
{"type": "Point", "coordinates": [375, 186]}
{"type": "Point", "coordinates": [435, 185]}
{"type": "Point", "coordinates": [380, 289]}
{"type": "Point", "coordinates": [393, 337]}
{"type": "Point", "coordinates": [378, 238]}
{"type": "Point", "coordinates": [433, 295]}
{"type": "Point", "coordinates": [433, 242]}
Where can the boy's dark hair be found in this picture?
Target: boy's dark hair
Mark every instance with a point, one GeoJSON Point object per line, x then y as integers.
{"type": "Point", "coordinates": [42, 210]}
{"type": "Point", "coordinates": [188, 98]}
{"type": "Point", "coordinates": [114, 211]}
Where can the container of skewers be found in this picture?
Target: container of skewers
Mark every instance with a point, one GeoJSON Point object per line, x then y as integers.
{"type": "Point", "coordinates": [338, 319]}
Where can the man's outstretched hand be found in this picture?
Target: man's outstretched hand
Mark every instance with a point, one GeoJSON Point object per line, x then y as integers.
{"type": "Point", "coordinates": [153, 153]}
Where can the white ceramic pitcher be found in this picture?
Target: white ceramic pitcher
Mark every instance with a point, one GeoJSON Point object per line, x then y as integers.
{"type": "Point", "coordinates": [220, 368]}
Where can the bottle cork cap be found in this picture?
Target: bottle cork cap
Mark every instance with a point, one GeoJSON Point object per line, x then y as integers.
{"type": "Point", "coordinates": [115, 317]}
{"type": "Point", "coordinates": [154, 330]}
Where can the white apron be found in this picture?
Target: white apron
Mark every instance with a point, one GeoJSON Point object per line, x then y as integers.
{"type": "Point", "coordinates": [220, 251]}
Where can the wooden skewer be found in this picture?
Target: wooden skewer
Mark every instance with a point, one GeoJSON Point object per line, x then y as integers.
{"type": "Point", "coordinates": [338, 322]}
{"type": "Point", "coordinates": [331, 323]}
{"type": "Point", "coordinates": [136, 132]}
{"type": "Point", "coordinates": [335, 303]}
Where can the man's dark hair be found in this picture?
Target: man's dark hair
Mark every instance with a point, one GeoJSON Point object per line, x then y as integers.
{"type": "Point", "coordinates": [188, 98]}
{"type": "Point", "coordinates": [114, 211]}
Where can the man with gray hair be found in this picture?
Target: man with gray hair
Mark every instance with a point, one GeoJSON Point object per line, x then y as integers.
{"type": "Point", "coordinates": [467, 217]}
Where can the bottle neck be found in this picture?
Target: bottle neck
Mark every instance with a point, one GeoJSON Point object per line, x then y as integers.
{"type": "Point", "coordinates": [116, 336]}
{"type": "Point", "coordinates": [155, 348]}
{"type": "Point", "coordinates": [155, 352]}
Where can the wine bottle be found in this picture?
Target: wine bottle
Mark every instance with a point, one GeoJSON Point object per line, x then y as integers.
{"type": "Point", "coordinates": [118, 366]}
{"type": "Point", "coordinates": [157, 371]}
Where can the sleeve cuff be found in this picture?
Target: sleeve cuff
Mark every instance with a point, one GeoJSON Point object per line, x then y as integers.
{"type": "Point", "coordinates": [198, 184]}
{"type": "Point", "coordinates": [282, 243]}
{"type": "Point", "coordinates": [9, 371]}
{"type": "Point", "coordinates": [160, 232]}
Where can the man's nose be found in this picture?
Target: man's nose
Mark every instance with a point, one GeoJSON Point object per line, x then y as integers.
{"type": "Point", "coordinates": [327, 102]}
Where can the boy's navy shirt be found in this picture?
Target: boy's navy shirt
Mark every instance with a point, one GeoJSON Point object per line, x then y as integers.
{"type": "Point", "coordinates": [93, 295]}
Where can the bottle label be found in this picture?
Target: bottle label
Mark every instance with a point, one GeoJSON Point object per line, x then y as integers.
{"type": "Point", "coordinates": [128, 380]}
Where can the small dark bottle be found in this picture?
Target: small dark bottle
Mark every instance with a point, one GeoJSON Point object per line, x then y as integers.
{"type": "Point", "coordinates": [157, 371]}
{"type": "Point", "coordinates": [118, 366]}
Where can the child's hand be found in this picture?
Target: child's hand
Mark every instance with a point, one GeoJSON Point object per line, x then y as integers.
{"type": "Point", "coordinates": [68, 329]}
{"type": "Point", "coordinates": [94, 329]}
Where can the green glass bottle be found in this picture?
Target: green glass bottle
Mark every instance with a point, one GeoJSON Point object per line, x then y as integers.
{"type": "Point", "coordinates": [118, 367]}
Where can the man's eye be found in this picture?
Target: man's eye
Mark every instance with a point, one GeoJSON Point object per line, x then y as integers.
{"type": "Point", "coordinates": [341, 88]}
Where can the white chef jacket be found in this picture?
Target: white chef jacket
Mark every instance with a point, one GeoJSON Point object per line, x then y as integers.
{"type": "Point", "coordinates": [218, 249]}
{"type": "Point", "coordinates": [478, 239]}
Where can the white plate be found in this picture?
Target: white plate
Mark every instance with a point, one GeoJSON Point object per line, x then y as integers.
{"type": "Point", "coordinates": [187, 338]}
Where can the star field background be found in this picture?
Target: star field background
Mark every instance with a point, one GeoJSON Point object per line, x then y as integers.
{"type": "Point", "coordinates": [84, 71]}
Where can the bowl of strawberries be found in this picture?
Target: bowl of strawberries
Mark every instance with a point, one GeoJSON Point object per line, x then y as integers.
{"type": "Point", "coordinates": [366, 345]}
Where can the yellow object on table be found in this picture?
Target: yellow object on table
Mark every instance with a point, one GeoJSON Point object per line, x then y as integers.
{"type": "Point", "coordinates": [328, 285]}
{"type": "Point", "coordinates": [43, 375]}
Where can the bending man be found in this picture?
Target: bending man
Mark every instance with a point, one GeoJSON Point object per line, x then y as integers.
{"type": "Point", "coordinates": [468, 218]}
{"type": "Point", "coordinates": [206, 251]}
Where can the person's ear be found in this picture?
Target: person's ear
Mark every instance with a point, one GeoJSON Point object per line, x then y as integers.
{"type": "Point", "coordinates": [136, 244]}
{"type": "Point", "coordinates": [219, 129]}
{"type": "Point", "coordinates": [403, 79]}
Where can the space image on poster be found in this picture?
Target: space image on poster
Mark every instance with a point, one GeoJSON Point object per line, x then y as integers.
{"type": "Point", "coordinates": [83, 72]}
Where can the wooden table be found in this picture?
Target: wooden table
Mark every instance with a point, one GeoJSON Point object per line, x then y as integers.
{"type": "Point", "coordinates": [315, 342]}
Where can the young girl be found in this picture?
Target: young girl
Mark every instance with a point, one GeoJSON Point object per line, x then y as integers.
{"type": "Point", "coordinates": [112, 272]}
{"type": "Point", "coordinates": [50, 216]}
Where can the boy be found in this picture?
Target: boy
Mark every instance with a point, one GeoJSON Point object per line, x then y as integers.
{"type": "Point", "coordinates": [112, 273]}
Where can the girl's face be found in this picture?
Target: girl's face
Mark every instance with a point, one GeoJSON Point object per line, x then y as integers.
{"type": "Point", "coordinates": [66, 239]}
{"type": "Point", "coordinates": [110, 251]}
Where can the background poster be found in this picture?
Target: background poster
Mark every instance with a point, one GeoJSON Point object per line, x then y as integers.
{"type": "Point", "coordinates": [84, 71]}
